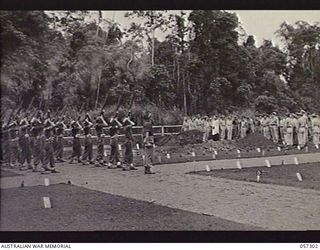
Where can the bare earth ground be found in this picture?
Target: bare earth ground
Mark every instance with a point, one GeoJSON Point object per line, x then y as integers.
{"type": "Point", "coordinates": [279, 175]}
{"type": "Point", "coordinates": [76, 208]}
{"type": "Point", "coordinates": [267, 206]}
{"type": "Point", "coordinates": [7, 173]}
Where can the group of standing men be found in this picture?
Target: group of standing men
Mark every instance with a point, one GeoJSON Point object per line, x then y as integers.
{"type": "Point", "coordinates": [290, 129]}
{"type": "Point", "coordinates": [38, 143]}
{"type": "Point", "coordinates": [220, 127]}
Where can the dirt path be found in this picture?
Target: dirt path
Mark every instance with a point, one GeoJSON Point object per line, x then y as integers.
{"type": "Point", "coordinates": [271, 207]}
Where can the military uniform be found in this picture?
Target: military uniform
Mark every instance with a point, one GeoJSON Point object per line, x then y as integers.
{"type": "Point", "coordinates": [76, 145]}
{"type": "Point", "coordinates": [302, 131]}
{"type": "Point", "coordinates": [148, 143]}
{"type": "Point", "coordinates": [25, 145]}
{"type": "Point", "coordinates": [100, 123]}
{"type": "Point", "coordinates": [289, 124]}
{"type": "Point", "coordinates": [244, 128]}
{"type": "Point", "coordinates": [88, 145]}
{"type": "Point", "coordinates": [315, 124]}
{"type": "Point", "coordinates": [114, 144]}
{"type": "Point", "coordinates": [37, 142]}
{"type": "Point", "coordinates": [274, 126]}
{"type": "Point", "coordinates": [265, 127]}
{"type": "Point", "coordinates": [282, 129]}
{"type": "Point", "coordinates": [128, 154]}
{"type": "Point", "coordinates": [295, 130]}
{"type": "Point", "coordinates": [48, 157]}
{"type": "Point", "coordinates": [59, 141]}
{"type": "Point", "coordinates": [222, 123]}
{"type": "Point", "coordinates": [229, 124]}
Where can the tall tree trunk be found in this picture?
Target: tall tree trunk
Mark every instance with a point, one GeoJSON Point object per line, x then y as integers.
{"type": "Point", "coordinates": [184, 95]}
{"type": "Point", "coordinates": [178, 80]}
{"type": "Point", "coordinates": [152, 46]}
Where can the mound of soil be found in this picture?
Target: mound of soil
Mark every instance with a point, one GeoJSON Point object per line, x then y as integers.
{"type": "Point", "coordinates": [253, 141]}
{"type": "Point", "coordinates": [184, 138]}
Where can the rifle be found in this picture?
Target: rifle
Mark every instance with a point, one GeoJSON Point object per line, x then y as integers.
{"type": "Point", "coordinates": [30, 103]}
{"type": "Point", "coordinates": [12, 115]}
{"type": "Point", "coordinates": [117, 107]}
{"type": "Point", "coordinates": [105, 102]}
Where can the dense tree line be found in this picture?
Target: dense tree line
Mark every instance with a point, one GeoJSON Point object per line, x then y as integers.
{"type": "Point", "coordinates": [206, 64]}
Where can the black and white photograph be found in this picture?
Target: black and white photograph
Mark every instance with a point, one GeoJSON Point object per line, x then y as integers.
{"type": "Point", "coordinates": [160, 120]}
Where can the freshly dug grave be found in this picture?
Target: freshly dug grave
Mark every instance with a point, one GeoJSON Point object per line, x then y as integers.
{"type": "Point", "coordinates": [184, 138]}
{"type": "Point", "coordinates": [279, 175]}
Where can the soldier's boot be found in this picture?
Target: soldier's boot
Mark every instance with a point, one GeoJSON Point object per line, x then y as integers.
{"type": "Point", "coordinates": [110, 166]}
{"type": "Point", "coordinates": [23, 168]}
{"type": "Point", "coordinates": [44, 170]}
{"type": "Point", "coordinates": [147, 170]}
{"type": "Point", "coordinates": [53, 170]}
{"type": "Point", "coordinates": [99, 164]}
{"type": "Point", "coordinates": [35, 168]}
{"type": "Point", "coordinates": [119, 164]}
{"type": "Point", "coordinates": [132, 167]}
{"type": "Point", "coordinates": [125, 167]}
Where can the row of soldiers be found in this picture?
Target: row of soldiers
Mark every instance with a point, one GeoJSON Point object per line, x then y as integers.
{"type": "Point", "coordinates": [38, 143]}
{"type": "Point", "coordinates": [290, 129]}
{"type": "Point", "coordinates": [220, 127]}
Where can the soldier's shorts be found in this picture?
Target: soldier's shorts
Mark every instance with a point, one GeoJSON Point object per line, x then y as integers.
{"type": "Point", "coordinates": [76, 147]}
{"type": "Point", "coordinates": [87, 154]}
{"type": "Point", "coordinates": [128, 154]}
{"type": "Point", "coordinates": [100, 149]}
{"type": "Point", "coordinates": [14, 151]}
{"type": "Point", "coordinates": [59, 147]}
{"type": "Point", "coordinates": [148, 160]}
{"type": "Point", "coordinates": [48, 157]}
{"type": "Point", "coordinates": [37, 151]}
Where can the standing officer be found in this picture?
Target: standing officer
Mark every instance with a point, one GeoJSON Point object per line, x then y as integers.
{"type": "Point", "coordinates": [295, 128]}
{"type": "Point", "coordinates": [88, 145]}
{"type": "Point", "coordinates": [25, 145]}
{"type": "Point", "coordinates": [282, 128]}
{"type": "Point", "coordinates": [222, 123]}
{"type": "Point", "coordinates": [37, 142]}
{"type": "Point", "coordinates": [76, 145]}
{"type": "Point", "coordinates": [289, 124]}
{"type": "Point", "coordinates": [244, 127]}
{"type": "Point", "coordinates": [48, 157]}
{"type": "Point", "coordinates": [302, 129]}
{"type": "Point", "coordinates": [274, 125]}
{"type": "Point", "coordinates": [265, 126]}
{"type": "Point", "coordinates": [229, 124]}
{"type": "Point", "coordinates": [114, 143]}
{"type": "Point", "coordinates": [100, 124]}
{"type": "Point", "coordinates": [128, 154]}
{"type": "Point", "coordinates": [60, 128]}
{"type": "Point", "coordinates": [148, 143]}
{"type": "Point", "coordinates": [315, 124]}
